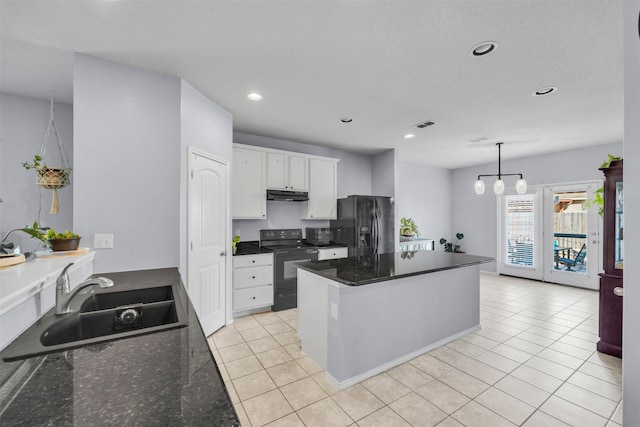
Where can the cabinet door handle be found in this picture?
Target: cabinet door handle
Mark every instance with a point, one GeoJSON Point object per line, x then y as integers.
{"type": "Point", "coordinates": [223, 253]}
{"type": "Point", "coordinates": [253, 277]}
{"type": "Point", "coordinates": [618, 291]}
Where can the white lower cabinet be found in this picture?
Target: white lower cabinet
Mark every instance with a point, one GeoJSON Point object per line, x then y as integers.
{"type": "Point", "coordinates": [332, 253]}
{"type": "Point", "coordinates": [252, 281]}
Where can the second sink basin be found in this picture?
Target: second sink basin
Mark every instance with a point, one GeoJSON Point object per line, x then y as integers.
{"type": "Point", "coordinates": [107, 300]}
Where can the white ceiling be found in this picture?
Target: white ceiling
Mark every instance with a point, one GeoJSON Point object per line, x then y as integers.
{"type": "Point", "coordinates": [386, 64]}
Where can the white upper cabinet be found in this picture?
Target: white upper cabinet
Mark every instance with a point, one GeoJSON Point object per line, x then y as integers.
{"type": "Point", "coordinates": [249, 187]}
{"type": "Point", "coordinates": [257, 168]}
{"type": "Point", "coordinates": [322, 190]}
{"type": "Point", "coordinates": [287, 172]}
{"type": "Point", "coordinates": [298, 173]}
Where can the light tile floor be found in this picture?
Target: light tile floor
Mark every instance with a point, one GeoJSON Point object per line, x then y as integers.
{"type": "Point", "coordinates": [533, 363]}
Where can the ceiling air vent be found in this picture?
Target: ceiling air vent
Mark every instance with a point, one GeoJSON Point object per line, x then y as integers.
{"type": "Point", "coordinates": [424, 124]}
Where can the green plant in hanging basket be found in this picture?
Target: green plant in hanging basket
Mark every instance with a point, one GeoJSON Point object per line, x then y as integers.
{"type": "Point", "coordinates": [36, 163]}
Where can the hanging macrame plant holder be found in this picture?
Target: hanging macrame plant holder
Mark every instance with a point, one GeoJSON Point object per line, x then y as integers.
{"type": "Point", "coordinates": [52, 178]}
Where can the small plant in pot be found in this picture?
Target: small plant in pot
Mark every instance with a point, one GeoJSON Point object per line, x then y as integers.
{"type": "Point", "coordinates": [452, 247]}
{"type": "Point", "coordinates": [408, 229]}
{"type": "Point", "coordinates": [66, 241]}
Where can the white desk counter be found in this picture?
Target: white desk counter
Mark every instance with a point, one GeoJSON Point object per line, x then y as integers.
{"type": "Point", "coordinates": [27, 290]}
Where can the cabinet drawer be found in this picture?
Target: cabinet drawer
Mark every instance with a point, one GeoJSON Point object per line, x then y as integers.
{"type": "Point", "coordinates": [252, 260]}
{"type": "Point", "coordinates": [254, 276]}
{"type": "Point", "coordinates": [246, 299]}
{"type": "Point", "coordinates": [332, 253]}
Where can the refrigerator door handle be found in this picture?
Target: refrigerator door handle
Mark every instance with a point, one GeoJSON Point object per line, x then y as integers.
{"type": "Point", "coordinates": [374, 234]}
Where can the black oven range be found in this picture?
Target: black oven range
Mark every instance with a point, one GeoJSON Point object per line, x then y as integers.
{"type": "Point", "coordinates": [288, 249]}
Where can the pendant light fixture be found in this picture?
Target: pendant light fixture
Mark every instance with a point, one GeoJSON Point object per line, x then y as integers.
{"type": "Point", "coordinates": [498, 186]}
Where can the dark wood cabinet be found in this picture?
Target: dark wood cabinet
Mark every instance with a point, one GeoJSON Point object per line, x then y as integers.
{"type": "Point", "coordinates": [611, 289]}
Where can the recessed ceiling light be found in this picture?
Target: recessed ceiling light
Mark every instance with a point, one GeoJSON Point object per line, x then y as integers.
{"type": "Point", "coordinates": [545, 91]}
{"type": "Point", "coordinates": [483, 48]}
{"type": "Point", "coordinates": [409, 136]}
{"type": "Point", "coordinates": [254, 96]}
{"type": "Point", "coordinates": [346, 120]}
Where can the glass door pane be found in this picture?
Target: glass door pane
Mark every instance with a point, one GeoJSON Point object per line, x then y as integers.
{"type": "Point", "coordinates": [570, 231]}
{"type": "Point", "coordinates": [521, 234]}
{"type": "Point", "coordinates": [520, 230]}
{"type": "Point", "coordinates": [572, 254]}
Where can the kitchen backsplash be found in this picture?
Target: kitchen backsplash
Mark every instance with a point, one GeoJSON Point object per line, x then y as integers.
{"type": "Point", "coordinates": [279, 215]}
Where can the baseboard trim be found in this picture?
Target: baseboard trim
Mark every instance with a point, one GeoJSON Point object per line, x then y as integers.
{"type": "Point", "coordinates": [341, 385]}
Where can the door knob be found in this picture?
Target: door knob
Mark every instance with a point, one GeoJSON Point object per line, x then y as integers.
{"type": "Point", "coordinates": [223, 253]}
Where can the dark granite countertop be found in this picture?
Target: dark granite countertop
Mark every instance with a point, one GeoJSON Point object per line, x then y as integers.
{"type": "Point", "coordinates": [251, 248]}
{"type": "Point", "coordinates": [365, 270]}
{"type": "Point", "coordinates": [164, 378]}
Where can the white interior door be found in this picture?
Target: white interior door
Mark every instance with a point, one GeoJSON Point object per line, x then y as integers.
{"type": "Point", "coordinates": [208, 202]}
{"type": "Point", "coordinates": [572, 252]}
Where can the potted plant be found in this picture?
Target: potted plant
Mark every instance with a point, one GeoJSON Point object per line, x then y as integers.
{"type": "Point", "coordinates": [452, 247]}
{"type": "Point", "coordinates": [598, 198]}
{"type": "Point", "coordinates": [48, 177]}
{"type": "Point", "coordinates": [66, 241]}
{"type": "Point", "coordinates": [408, 228]}
{"type": "Point", "coordinates": [234, 243]}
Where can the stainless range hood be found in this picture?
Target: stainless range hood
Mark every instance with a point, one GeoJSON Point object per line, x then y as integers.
{"type": "Point", "coordinates": [287, 196]}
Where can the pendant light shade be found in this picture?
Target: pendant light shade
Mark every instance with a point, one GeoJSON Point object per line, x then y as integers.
{"type": "Point", "coordinates": [521, 186]}
{"type": "Point", "coordinates": [498, 186]}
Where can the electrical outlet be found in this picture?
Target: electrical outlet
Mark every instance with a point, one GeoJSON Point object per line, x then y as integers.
{"type": "Point", "coordinates": [103, 241]}
{"type": "Point", "coordinates": [334, 310]}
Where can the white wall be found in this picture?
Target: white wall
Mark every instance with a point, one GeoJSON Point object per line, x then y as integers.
{"type": "Point", "coordinates": [23, 123]}
{"type": "Point", "coordinates": [424, 194]}
{"type": "Point", "coordinates": [209, 128]}
{"type": "Point", "coordinates": [383, 174]}
{"type": "Point", "coordinates": [631, 317]}
{"type": "Point", "coordinates": [354, 177]}
{"type": "Point", "coordinates": [475, 216]}
{"type": "Point", "coordinates": [127, 163]}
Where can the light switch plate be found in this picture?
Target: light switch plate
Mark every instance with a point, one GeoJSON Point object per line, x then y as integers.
{"type": "Point", "coordinates": [103, 241]}
{"type": "Point", "coordinates": [334, 310]}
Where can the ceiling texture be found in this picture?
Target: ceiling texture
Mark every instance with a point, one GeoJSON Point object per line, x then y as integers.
{"type": "Point", "coordinates": [387, 65]}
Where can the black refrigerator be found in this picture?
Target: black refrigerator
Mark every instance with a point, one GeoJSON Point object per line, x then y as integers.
{"type": "Point", "coordinates": [365, 224]}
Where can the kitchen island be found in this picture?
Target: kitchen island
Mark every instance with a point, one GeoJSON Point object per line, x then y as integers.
{"type": "Point", "coordinates": [360, 316]}
{"type": "Point", "coordinates": [164, 378]}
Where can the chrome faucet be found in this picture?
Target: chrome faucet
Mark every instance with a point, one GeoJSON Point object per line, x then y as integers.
{"type": "Point", "coordinates": [63, 289]}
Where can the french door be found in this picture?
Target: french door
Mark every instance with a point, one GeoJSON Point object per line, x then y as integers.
{"type": "Point", "coordinates": [550, 235]}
